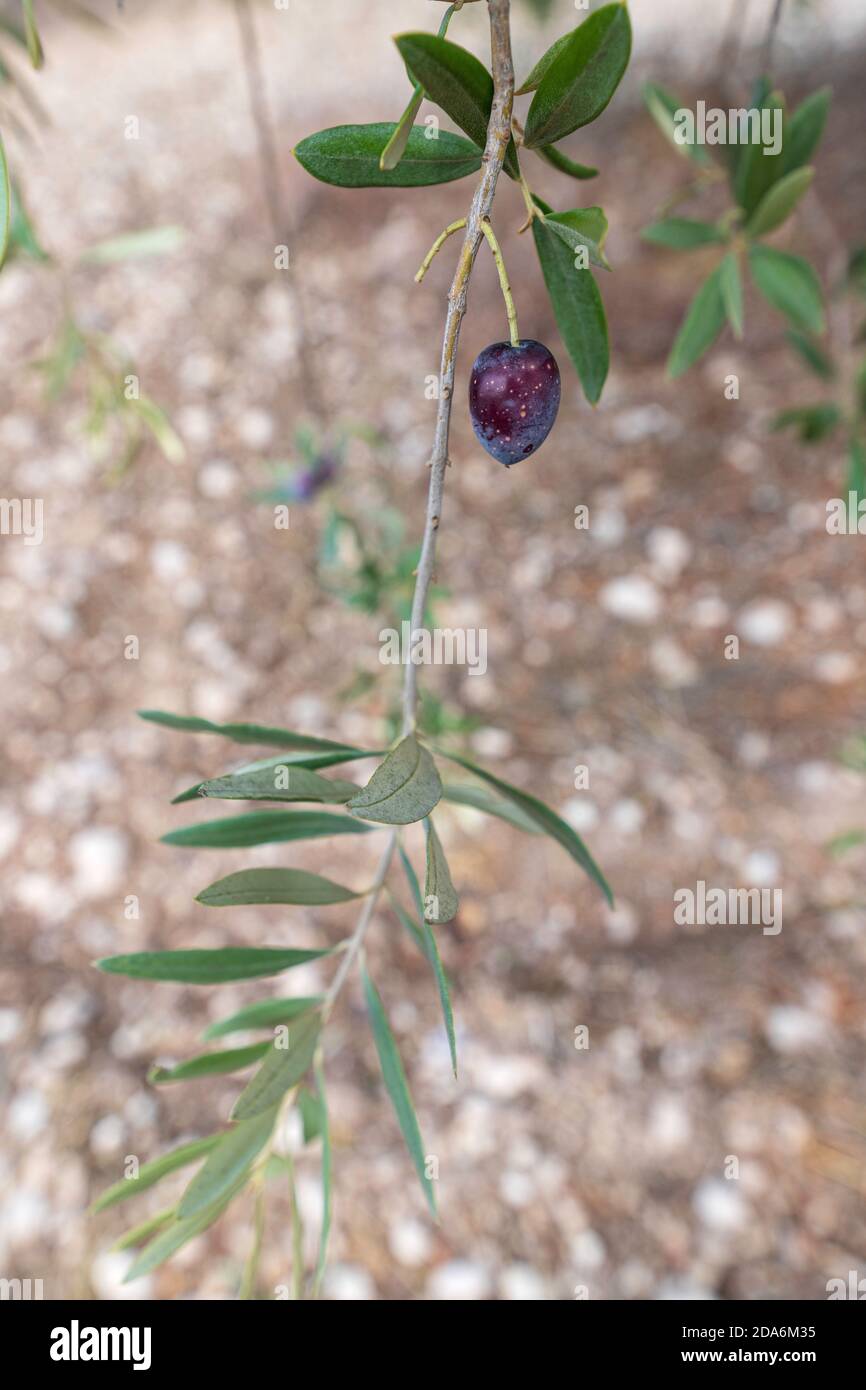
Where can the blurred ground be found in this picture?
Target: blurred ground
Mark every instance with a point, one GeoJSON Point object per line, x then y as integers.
{"type": "Point", "coordinates": [603, 1168]}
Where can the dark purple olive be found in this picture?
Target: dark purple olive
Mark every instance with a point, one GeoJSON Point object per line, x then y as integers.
{"type": "Point", "coordinates": [513, 398]}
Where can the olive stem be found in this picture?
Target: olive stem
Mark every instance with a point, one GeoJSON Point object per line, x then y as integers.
{"type": "Point", "coordinates": [503, 280]}
{"type": "Point", "coordinates": [437, 246]}
{"type": "Point", "coordinates": [498, 136]}
{"type": "Point", "coordinates": [532, 208]}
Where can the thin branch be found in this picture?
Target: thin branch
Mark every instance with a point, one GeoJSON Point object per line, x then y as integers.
{"type": "Point", "coordinates": [356, 940]}
{"type": "Point", "coordinates": [498, 135]}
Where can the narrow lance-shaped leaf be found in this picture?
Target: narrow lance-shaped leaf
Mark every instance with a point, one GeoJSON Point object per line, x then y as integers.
{"type": "Point", "coordinates": [561, 161]}
{"type": "Point", "coordinates": [544, 63]}
{"type": "Point", "coordinates": [584, 228]}
{"type": "Point", "coordinates": [264, 828]}
{"type": "Point", "coordinates": [151, 241]}
{"type": "Point", "coordinates": [348, 156]}
{"type": "Point", "coordinates": [395, 148]}
{"type": "Point", "coordinates": [207, 967]}
{"type": "Point", "coordinates": [209, 1064]}
{"type": "Point", "coordinates": [582, 78]}
{"type": "Point", "coordinates": [34, 43]}
{"type": "Point", "coordinates": [578, 309]}
{"type": "Point", "coordinates": [732, 292]}
{"type": "Point", "coordinates": [266, 1013]}
{"type": "Point", "coordinates": [454, 79]}
{"type": "Point", "coordinates": [150, 1173]}
{"type": "Point", "coordinates": [282, 782]}
{"type": "Point", "coordinates": [463, 794]}
{"type": "Point", "coordinates": [440, 899]}
{"type": "Point", "coordinates": [142, 1232]}
{"type": "Point", "coordinates": [287, 1063]}
{"type": "Point", "coordinates": [779, 202]}
{"type": "Point", "coordinates": [812, 354]}
{"type": "Point", "coordinates": [702, 324]}
{"type": "Point", "coordinates": [790, 285]}
{"type": "Point", "coordinates": [274, 886]}
{"type": "Point", "coordinates": [404, 788]}
{"type": "Point", "coordinates": [812, 422]}
{"type": "Point", "coordinates": [426, 939]}
{"type": "Point", "coordinates": [760, 161]}
{"type": "Point", "coordinates": [397, 1087]}
{"type": "Point", "coordinates": [241, 733]}
{"type": "Point", "coordinates": [227, 1163]}
{"type": "Point", "coordinates": [308, 761]}
{"type": "Point", "coordinates": [546, 819]}
{"type": "Point", "coordinates": [683, 233]}
{"type": "Point", "coordinates": [325, 1231]}
{"type": "Point", "coordinates": [804, 129]}
{"type": "Point", "coordinates": [663, 106]}
{"type": "Point", "coordinates": [179, 1233]}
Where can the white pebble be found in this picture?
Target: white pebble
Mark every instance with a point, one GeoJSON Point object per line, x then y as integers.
{"type": "Point", "coordinates": [459, 1281]}
{"type": "Point", "coordinates": [765, 622]}
{"type": "Point", "coordinates": [719, 1205]}
{"type": "Point", "coordinates": [632, 598]}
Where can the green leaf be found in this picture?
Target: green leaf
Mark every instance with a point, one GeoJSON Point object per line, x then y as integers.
{"type": "Point", "coordinates": [291, 760]}
{"type": "Point", "coordinates": [34, 43]}
{"type": "Point", "coordinates": [582, 227]}
{"type": "Point", "coordinates": [267, 1013]}
{"type": "Point", "coordinates": [5, 203]}
{"type": "Point", "coordinates": [151, 241]}
{"type": "Point", "coordinates": [274, 886]}
{"type": "Point", "coordinates": [310, 1108]}
{"type": "Point", "coordinates": [140, 1233]}
{"type": "Point", "coordinates": [22, 233]}
{"type": "Point", "coordinates": [396, 1085]}
{"type": "Point", "coordinates": [546, 820]}
{"type": "Point", "coordinates": [804, 129]}
{"type": "Point", "coordinates": [755, 171]}
{"type": "Point", "coordinates": [150, 1173]}
{"type": "Point", "coordinates": [814, 356]}
{"type": "Point", "coordinates": [396, 146]}
{"type": "Point", "coordinates": [577, 307]}
{"type": "Point", "coordinates": [732, 291]}
{"type": "Point", "coordinates": [409, 925]}
{"type": "Point", "coordinates": [264, 828]}
{"type": "Point", "coordinates": [282, 1068]}
{"type": "Point", "coordinates": [683, 233]}
{"type": "Point", "coordinates": [440, 899]}
{"type": "Point", "coordinates": [326, 1181]}
{"type": "Point", "coordinates": [348, 156]}
{"type": "Point", "coordinates": [454, 79]}
{"type": "Point", "coordinates": [207, 967]}
{"type": "Point", "coordinates": [227, 1163]}
{"type": "Point", "coordinates": [481, 800]}
{"type": "Point", "coordinates": [702, 324]}
{"type": "Point", "coordinates": [779, 202]}
{"type": "Point", "coordinates": [426, 940]}
{"type": "Point", "coordinates": [812, 422]}
{"type": "Point", "coordinates": [404, 788]}
{"type": "Point", "coordinates": [565, 165]}
{"type": "Point", "coordinates": [790, 285]}
{"type": "Point", "coordinates": [545, 62]}
{"type": "Point", "coordinates": [178, 1234]}
{"type": "Point", "coordinates": [850, 839]}
{"type": "Point", "coordinates": [209, 1064]}
{"type": "Point", "coordinates": [160, 426]}
{"type": "Point", "coordinates": [662, 106]}
{"type": "Point", "coordinates": [582, 77]}
{"type": "Point", "coordinates": [282, 782]}
{"type": "Point", "coordinates": [244, 733]}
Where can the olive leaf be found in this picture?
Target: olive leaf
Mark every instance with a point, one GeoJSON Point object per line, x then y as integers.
{"type": "Point", "coordinates": [282, 1068]}
{"type": "Point", "coordinates": [756, 169]}
{"type": "Point", "coordinates": [440, 899]}
{"type": "Point", "coordinates": [207, 967]}
{"type": "Point", "coordinates": [264, 828]}
{"type": "Point", "coordinates": [274, 886]}
{"type": "Point", "coordinates": [805, 128]}
{"type": "Point", "coordinates": [582, 78]}
{"type": "Point", "coordinates": [683, 233]}
{"type": "Point", "coordinates": [5, 203]}
{"type": "Point", "coordinates": [731, 287]}
{"type": "Point", "coordinates": [455, 80]}
{"type": "Point", "coordinates": [577, 307]}
{"type": "Point", "coordinates": [704, 320]}
{"type": "Point", "coordinates": [582, 227]}
{"type": "Point", "coordinates": [227, 1163]}
{"type": "Point", "coordinates": [150, 1173]}
{"type": "Point", "coordinates": [243, 733]}
{"type": "Point", "coordinates": [790, 285]}
{"type": "Point", "coordinates": [546, 819]}
{"type": "Point", "coordinates": [396, 1085]}
{"type": "Point", "coordinates": [480, 800]}
{"type": "Point", "coordinates": [425, 938]}
{"type": "Point", "coordinates": [404, 788]}
{"type": "Point", "coordinates": [545, 61]}
{"type": "Point", "coordinates": [565, 165]}
{"type": "Point", "coordinates": [283, 781]}
{"type": "Point", "coordinates": [779, 201]}
{"type": "Point", "coordinates": [266, 1013]}
{"type": "Point", "coordinates": [209, 1064]}
{"type": "Point", "coordinates": [663, 106]}
{"type": "Point", "coordinates": [348, 156]}
{"type": "Point", "coordinates": [179, 1233]}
